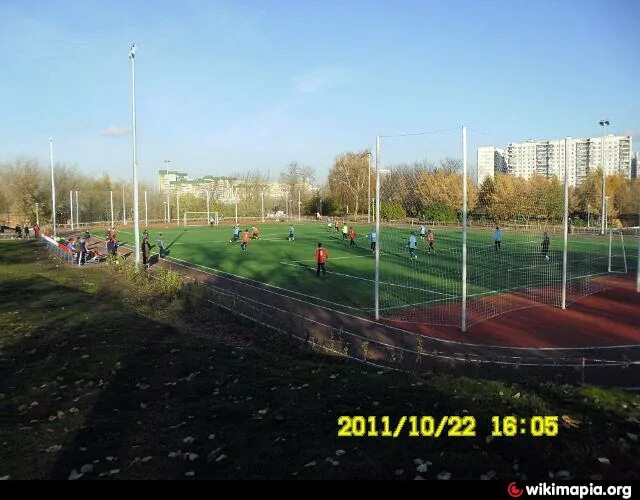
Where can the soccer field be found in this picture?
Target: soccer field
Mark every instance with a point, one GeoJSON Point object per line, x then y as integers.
{"type": "Point", "coordinates": [431, 283]}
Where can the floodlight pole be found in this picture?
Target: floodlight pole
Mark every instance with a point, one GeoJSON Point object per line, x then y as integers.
{"type": "Point", "coordinates": [262, 203]}
{"type": "Point", "coordinates": [178, 208]}
{"type": "Point", "coordinates": [565, 212]}
{"type": "Point", "coordinates": [37, 216]}
{"type": "Point", "coordinates": [369, 191]}
{"type": "Point", "coordinates": [124, 210]}
{"type": "Point", "coordinates": [77, 211]}
{"type": "Point", "coordinates": [146, 213]}
{"type": "Point", "coordinates": [111, 201]}
{"type": "Point", "coordinates": [610, 245]}
{"type": "Point", "coordinates": [378, 238]}
{"type": "Point", "coordinates": [53, 189]}
{"type": "Point", "coordinates": [638, 261]}
{"type": "Point", "coordinates": [206, 191]}
{"type": "Point", "coordinates": [604, 124]}
{"type": "Point", "coordinates": [299, 205]}
{"type": "Point", "coordinates": [463, 319]}
{"type": "Point", "coordinates": [235, 197]}
{"type": "Point", "coordinates": [168, 210]}
{"type": "Point", "coordinates": [71, 206]}
{"type": "Point", "coordinates": [136, 222]}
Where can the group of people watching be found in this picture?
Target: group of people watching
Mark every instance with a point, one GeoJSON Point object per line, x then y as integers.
{"type": "Point", "coordinates": [80, 249]}
{"type": "Point", "coordinates": [21, 231]}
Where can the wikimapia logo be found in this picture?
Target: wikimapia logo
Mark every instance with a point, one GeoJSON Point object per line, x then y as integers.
{"type": "Point", "coordinates": [580, 491]}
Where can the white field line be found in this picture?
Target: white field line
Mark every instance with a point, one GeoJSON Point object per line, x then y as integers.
{"type": "Point", "coordinates": [335, 258]}
{"type": "Point", "coordinates": [367, 279]}
{"type": "Point", "coordinates": [261, 285]}
{"type": "Point", "coordinates": [534, 266]}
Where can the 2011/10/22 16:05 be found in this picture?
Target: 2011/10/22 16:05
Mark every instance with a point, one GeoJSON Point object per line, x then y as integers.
{"type": "Point", "coordinates": [446, 426]}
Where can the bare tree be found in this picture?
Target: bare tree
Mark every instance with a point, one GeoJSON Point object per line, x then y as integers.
{"type": "Point", "coordinates": [348, 179]}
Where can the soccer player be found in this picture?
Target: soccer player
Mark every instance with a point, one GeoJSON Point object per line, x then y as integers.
{"type": "Point", "coordinates": [236, 234]}
{"type": "Point", "coordinates": [423, 232]}
{"type": "Point", "coordinates": [292, 232]}
{"type": "Point", "coordinates": [352, 237]}
{"type": "Point", "coordinates": [430, 239]}
{"type": "Point", "coordinates": [245, 240]}
{"type": "Point", "coordinates": [413, 244]}
{"type": "Point", "coordinates": [255, 233]}
{"type": "Point", "coordinates": [160, 244]}
{"type": "Point", "coordinates": [374, 238]}
{"type": "Point", "coordinates": [497, 238]}
{"type": "Point", "coordinates": [337, 226]}
{"type": "Point", "coordinates": [345, 231]}
{"type": "Point", "coordinates": [544, 246]}
{"type": "Point", "coordinates": [321, 259]}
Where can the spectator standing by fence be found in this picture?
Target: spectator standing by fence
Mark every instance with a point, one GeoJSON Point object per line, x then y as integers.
{"type": "Point", "coordinates": [146, 250]}
{"type": "Point", "coordinates": [82, 251]}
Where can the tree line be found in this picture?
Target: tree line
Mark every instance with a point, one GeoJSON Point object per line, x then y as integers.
{"type": "Point", "coordinates": [426, 190]}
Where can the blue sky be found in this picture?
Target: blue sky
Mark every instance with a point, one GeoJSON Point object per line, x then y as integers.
{"type": "Point", "coordinates": [228, 86]}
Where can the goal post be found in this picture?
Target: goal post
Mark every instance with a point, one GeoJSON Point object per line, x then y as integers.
{"type": "Point", "coordinates": [199, 219]}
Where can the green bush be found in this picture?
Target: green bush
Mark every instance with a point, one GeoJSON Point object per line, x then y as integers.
{"type": "Point", "coordinates": [392, 211]}
{"type": "Point", "coordinates": [439, 212]}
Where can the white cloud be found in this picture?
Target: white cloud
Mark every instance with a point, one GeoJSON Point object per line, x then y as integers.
{"type": "Point", "coordinates": [116, 131]}
{"type": "Point", "coordinates": [320, 80]}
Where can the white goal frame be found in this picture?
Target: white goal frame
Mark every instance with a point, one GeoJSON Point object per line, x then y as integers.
{"type": "Point", "coordinates": [201, 219]}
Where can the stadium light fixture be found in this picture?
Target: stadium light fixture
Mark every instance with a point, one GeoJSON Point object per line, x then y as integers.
{"type": "Point", "coordinates": [136, 222]}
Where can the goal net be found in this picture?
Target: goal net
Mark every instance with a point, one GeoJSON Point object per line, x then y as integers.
{"type": "Point", "coordinates": [200, 219]}
{"type": "Point", "coordinates": [519, 230]}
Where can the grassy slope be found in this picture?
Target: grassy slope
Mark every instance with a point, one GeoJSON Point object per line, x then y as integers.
{"type": "Point", "coordinates": [88, 371]}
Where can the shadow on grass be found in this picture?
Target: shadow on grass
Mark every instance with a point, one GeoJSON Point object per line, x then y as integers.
{"type": "Point", "coordinates": [109, 382]}
{"type": "Point", "coordinates": [9, 255]}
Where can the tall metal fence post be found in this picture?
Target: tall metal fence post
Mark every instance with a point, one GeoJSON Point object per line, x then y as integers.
{"type": "Point", "coordinates": [378, 238]}
{"type": "Point", "coordinates": [71, 207]}
{"type": "Point", "coordinates": [565, 212]}
{"type": "Point", "coordinates": [463, 313]}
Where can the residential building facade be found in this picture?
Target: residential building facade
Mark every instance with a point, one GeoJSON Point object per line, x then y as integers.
{"type": "Point", "coordinates": [547, 158]}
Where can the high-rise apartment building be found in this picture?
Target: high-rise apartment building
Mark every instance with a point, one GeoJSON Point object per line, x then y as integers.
{"type": "Point", "coordinates": [547, 158]}
{"type": "Point", "coordinates": [491, 160]}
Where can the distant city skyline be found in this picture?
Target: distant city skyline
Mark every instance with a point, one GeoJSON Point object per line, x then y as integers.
{"type": "Point", "coordinates": [229, 86]}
